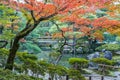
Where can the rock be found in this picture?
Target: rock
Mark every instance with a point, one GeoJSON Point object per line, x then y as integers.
{"type": "Point", "coordinates": [118, 52]}
{"type": "Point", "coordinates": [79, 50]}
{"type": "Point", "coordinates": [94, 55]}
{"type": "Point", "coordinates": [91, 56]}
{"type": "Point", "coordinates": [108, 55]}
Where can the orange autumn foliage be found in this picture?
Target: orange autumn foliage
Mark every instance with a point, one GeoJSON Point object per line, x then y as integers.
{"type": "Point", "coordinates": [37, 11]}
{"type": "Point", "coordinates": [41, 9]}
{"type": "Point", "coordinates": [57, 35]}
{"type": "Point", "coordinates": [98, 36]}
{"type": "Point", "coordinates": [73, 10]}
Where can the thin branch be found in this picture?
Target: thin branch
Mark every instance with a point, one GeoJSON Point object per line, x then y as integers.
{"type": "Point", "coordinates": [5, 43]}
{"type": "Point", "coordinates": [32, 14]}
{"type": "Point", "coordinates": [26, 1]}
{"type": "Point", "coordinates": [47, 17]}
{"type": "Point", "coordinates": [65, 42]}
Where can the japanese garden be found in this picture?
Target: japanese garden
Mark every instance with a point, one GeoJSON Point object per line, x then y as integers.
{"type": "Point", "coordinates": [59, 39]}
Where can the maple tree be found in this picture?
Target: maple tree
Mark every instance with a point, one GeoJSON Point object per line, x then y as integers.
{"type": "Point", "coordinates": [36, 11]}
{"type": "Point", "coordinates": [95, 27]}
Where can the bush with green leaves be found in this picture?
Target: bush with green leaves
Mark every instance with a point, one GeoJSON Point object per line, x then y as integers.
{"type": "Point", "coordinates": [54, 70]}
{"type": "Point", "coordinates": [3, 56]}
{"type": "Point", "coordinates": [4, 51]}
{"type": "Point", "coordinates": [104, 65]}
{"type": "Point", "coordinates": [53, 56]}
{"type": "Point", "coordinates": [29, 56]}
{"type": "Point", "coordinates": [9, 75]}
{"type": "Point", "coordinates": [30, 47]}
{"type": "Point", "coordinates": [118, 39]}
{"type": "Point", "coordinates": [61, 70]}
{"type": "Point", "coordinates": [111, 47]}
{"type": "Point", "coordinates": [75, 75]}
{"type": "Point", "coordinates": [78, 63]}
{"type": "Point", "coordinates": [36, 68]}
{"type": "Point", "coordinates": [102, 61]}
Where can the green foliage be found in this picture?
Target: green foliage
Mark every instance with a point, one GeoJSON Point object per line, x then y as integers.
{"type": "Point", "coordinates": [100, 13]}
{"type": "Point", "coordinates": [42, 67]}
{"type": "Point", "coordinates": [3, 56]}
{"type": "Point", "coordinates": [111, 47]}
{"type": "Point", "coordinates": [26, 77]}
{"type": "Point", "coordinates": [4, 51]}
{"type": "Point", "coordinates": [9, 75]}
{"type": "Point", "coordinates": [32, 39]}
{"type": "Point", "coordinates": [109, 37]}
{"type": "Point", "coordinates": [80, 61]}
{"type": "Point", "coordinates": [90, 16]}
{"type": "Point", "coordinates": [7, 35]}
{"type": "Point", "coordinates": [30, 47]}
{"type": "Point", "coordinates": [6, 14]}
{"type": "Point", "coordinates": [75, 74]}
{"type": "Point", "coordinates": [56, 69]}
{"type": "Point", "coordinates": [53, 56]}
{"type": "Point", "coordinates": [29, 56]}
{"type": "Point", "coordinates": [54, 29]}
{"type": "Point", "coordinates": [102, 61]}
{"type": "Point", "coordinates": [44, 27]}
{"type": "Point", "coordinates": [60, 70]}
{"type": "Point", "coordinates": [118, 39]}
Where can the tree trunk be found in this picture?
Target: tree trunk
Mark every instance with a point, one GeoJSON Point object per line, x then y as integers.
{"type": "Point", "coordinates": [28, 29]}
{"type": "Point", "coordinates": [12, 53]}
{"type": "Point", "coordinates": [67, 77]}
{"type": "Point", "coordinates": [15, 45]}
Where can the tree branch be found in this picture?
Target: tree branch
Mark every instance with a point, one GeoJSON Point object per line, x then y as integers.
{"type": "Point", "coordinates": [5, 43]}
{"type": "Point", "coordinates": [47, 17]}
{"type": "Point", "coordinates": [61, 48]}
{"type": "Point", "coordinates": [32, 14]}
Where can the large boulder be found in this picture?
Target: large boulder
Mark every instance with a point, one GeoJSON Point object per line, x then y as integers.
{"type": "Point", "coordinates": [94, 55]}
{"type": "Point", "coordinates": [108, 55]}
{"type": "Point", "coordinates": [91, 56]}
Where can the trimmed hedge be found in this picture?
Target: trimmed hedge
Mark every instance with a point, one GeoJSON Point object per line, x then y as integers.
{"type": "Point", "coordinates": [111, 47]}
{"type": "Point", "coordinates": [103, 61]}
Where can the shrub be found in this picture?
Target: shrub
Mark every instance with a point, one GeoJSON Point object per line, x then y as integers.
{"type": "Point", "coordinates": [3, 56]}
{"type": "Point", "coordinates": [78, 60]}
{"type": "Point", "coordinates": [106, 65]}
{"type": "Point", "coordinates": [75, 74]}
{"type": "Point", "coordinates": [78, 63]}
{"type": "Point", "coordinates": [102, 61]}
{"type": "Point", "coordinates": [111, 47]}
{"type": "Point", "coordinates": [118, 39]}
{"type": "Point", "coordinates": [9, 75]}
